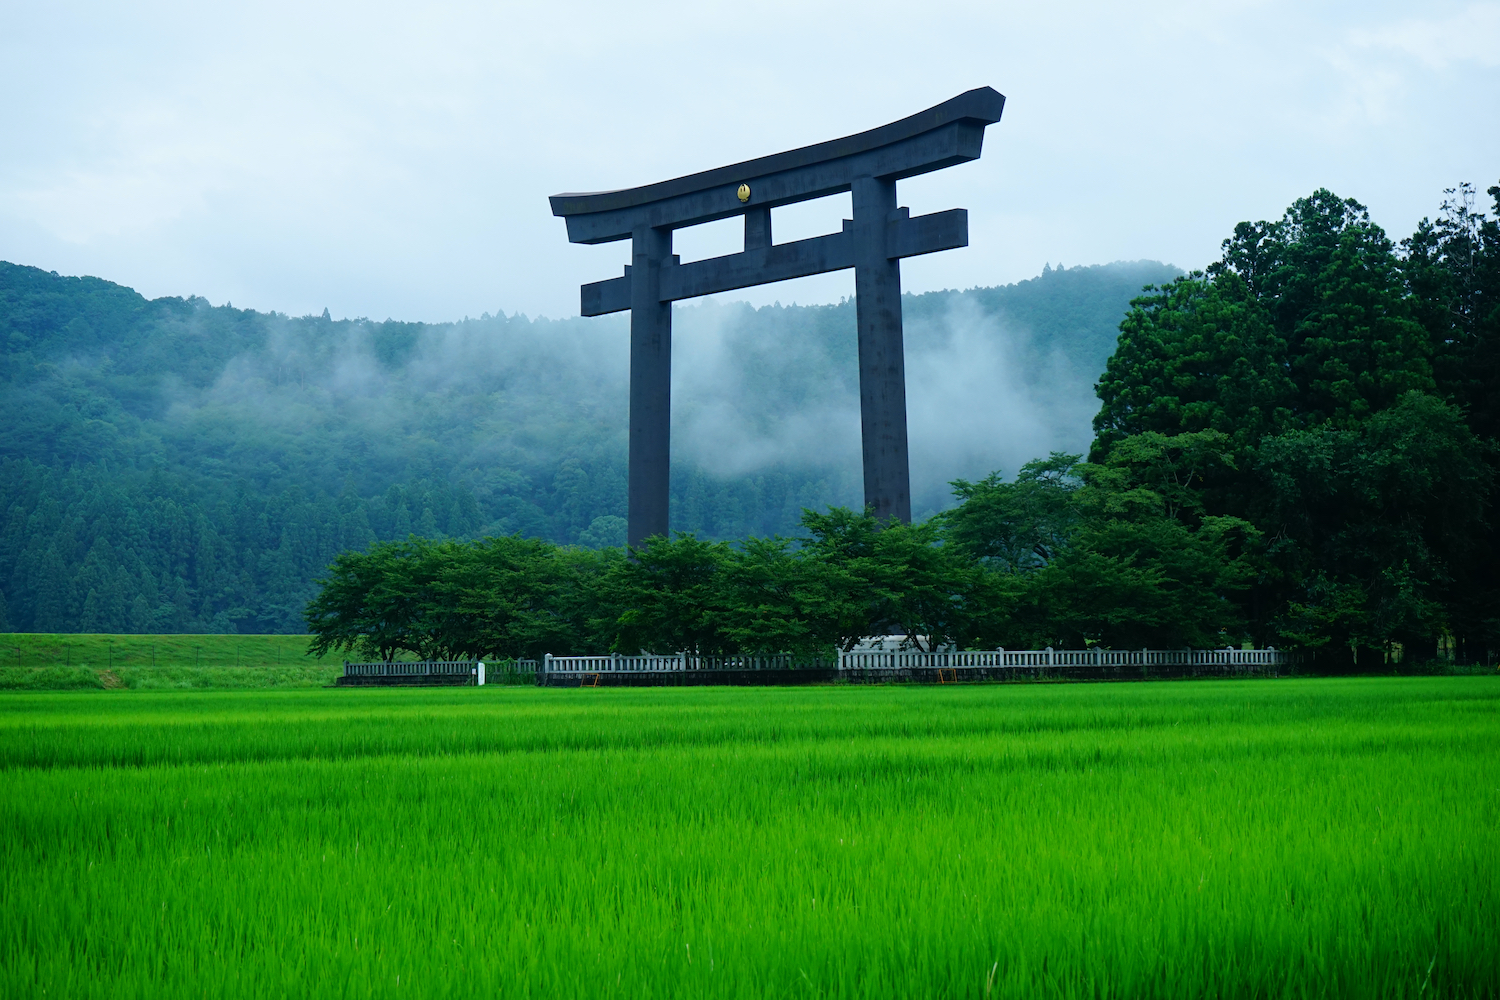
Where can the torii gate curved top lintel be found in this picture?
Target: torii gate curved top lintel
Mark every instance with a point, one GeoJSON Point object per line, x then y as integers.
{"type": "Point", "coordinates": [873, 242]}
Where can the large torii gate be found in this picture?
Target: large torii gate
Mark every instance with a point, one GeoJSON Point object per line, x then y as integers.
{"type": "Point", "coordinates": [867, 164]}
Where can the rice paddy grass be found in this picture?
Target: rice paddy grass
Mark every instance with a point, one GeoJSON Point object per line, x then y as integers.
{"type": "Point", "coordinates": [1291, 838]}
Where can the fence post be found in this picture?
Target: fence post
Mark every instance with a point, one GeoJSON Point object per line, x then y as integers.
{"type": "Point", "coordinates": [1049, 656]}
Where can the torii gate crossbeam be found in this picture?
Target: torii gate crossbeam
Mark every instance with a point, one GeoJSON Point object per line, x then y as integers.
{"type": "Point", "coordinates": [868, 165]}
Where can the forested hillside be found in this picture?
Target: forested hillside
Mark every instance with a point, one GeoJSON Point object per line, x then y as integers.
{"type": "Point", "coordinates": [168, 465]}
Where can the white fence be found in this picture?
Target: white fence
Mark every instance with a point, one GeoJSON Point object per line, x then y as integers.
{"type": "Point", "coordinates": [678, 661]}
{"type": "Point", "coordinates": [449, 670]}
{"type": "Point", "coordinates": [1049, 657]}
{"type": "Point", "coordinates": [417, 668]}
{"type": "Point", "coordinates": [894, 661]}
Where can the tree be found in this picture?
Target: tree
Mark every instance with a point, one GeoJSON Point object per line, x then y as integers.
{"type": "Point", "coordinates": [889, 578]}
{"type": "Point", "coordinates": [669, 597]}
{"type": "Point", "coordinates": [511, 596]}
{"type": "Point", "coordinates": [1453, 268]}
{"type": "Point", "coordinates": [1309, 348]}
{"type": "Point", "coordinates": [378, 602]}
{"type": "Point", "coordinates": [1332, 285]}
{"type": "Point", "coordinates": [1020, 526]}
{"type": "Point", "coordinates": [1377, 522]}
{"type": "Point", "coordinates": [1148, 565]}
{"type": "Point", "coordinates": [1199, 354]}
{"type": "Point", "coordinates": [778, 602]}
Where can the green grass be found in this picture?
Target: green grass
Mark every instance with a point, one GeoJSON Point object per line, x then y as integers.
{"type": "Point", "coordinates": [1228, 838]}
{"type": "Point", "coordinates": [111, 652]}
{"type": "Point", "coordinates": [60, 662]}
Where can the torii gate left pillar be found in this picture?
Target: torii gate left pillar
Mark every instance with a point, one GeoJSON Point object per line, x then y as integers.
{"type": "Point", "coordinates": [873, 243]}
{"type": "Point", "coordinates": [649, 485]}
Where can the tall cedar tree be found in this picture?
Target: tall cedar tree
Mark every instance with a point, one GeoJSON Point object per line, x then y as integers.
{"type": "Point", "coordinates": [1305, 347]}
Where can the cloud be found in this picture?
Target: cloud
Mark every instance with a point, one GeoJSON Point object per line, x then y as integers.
{"type": "Point", "coordinates": [979, 401]}
{"type": "Point", "coordinates": [750, 394]}
{"type": "Point", "coordinates": [1469, 35]}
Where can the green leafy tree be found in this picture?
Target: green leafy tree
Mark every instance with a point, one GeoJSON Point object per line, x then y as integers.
{"type": "Point", "coordinates": [1376, 519]}
{"type": "Point", "coordinates": [517, 597]}
{"type": "Point", "coordinates": [1333, 286]}
{"type": "Point", "coordinates": [888, 578]}
{"type": "Point", "coordinates": [1200, 354]}
{"type": "Point", "coordinates": [1309, 348]}
{"type": "Point", "coordinates": [670, 597]}
{"type": "Point", "coordinates": [778, 602]}
{"type": "Point", "coordinates": [1453, 267]}
{"type": "Point", "coordinates": [380, 602]}
{"type": "Point", "coordinates": [1144, 564]}
{"type": "Point", "coordinates": [1019, 526]}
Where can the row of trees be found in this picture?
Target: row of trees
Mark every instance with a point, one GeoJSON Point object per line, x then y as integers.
{"type": "Point", "coordinates": [1297, 447]}
{"type": "Point", "coordinates": [1066, 554]}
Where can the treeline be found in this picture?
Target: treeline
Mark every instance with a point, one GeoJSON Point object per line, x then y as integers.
{"type": "Point", "coordinates": [1052, 558]}
{"type": "Point", "coordinates": [1297, 447]}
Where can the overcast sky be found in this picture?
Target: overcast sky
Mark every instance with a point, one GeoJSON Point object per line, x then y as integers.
{"type": "Point", "coordinates": [395, 160]}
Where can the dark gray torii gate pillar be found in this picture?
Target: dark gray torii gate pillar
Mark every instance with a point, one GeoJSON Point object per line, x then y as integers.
{"type": "Point", "coordinates": [882, 352]}
{"type": "Point", "coordinates": [867, 164]}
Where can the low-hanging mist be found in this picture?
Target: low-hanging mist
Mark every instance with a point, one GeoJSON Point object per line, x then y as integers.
{"type": "Point", "coordinates": [760, 389]}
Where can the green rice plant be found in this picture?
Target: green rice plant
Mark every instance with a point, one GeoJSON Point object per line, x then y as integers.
{"type": "Point", "coordinates": [1309, 837]}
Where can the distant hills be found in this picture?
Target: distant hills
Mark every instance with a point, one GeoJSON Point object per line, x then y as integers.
{"type": "Point", "coordinates": [168, 465]}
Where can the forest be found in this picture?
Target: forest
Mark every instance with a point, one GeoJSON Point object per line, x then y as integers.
{"type": "Point", "coordinates": [172, 466]}
{"type": "Point", "coordinates": [1295, 447]}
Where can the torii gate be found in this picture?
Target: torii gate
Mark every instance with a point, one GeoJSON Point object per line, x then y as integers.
{"type": "Point", "coordinates": [868, 164]}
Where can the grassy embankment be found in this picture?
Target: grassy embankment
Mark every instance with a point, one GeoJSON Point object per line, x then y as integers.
{"type": "Point", "coordinates": [41, 661]}
{"type": "Point", "coordinates": [1310, 837]}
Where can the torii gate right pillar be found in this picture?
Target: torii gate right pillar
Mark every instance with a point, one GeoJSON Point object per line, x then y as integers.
{"type": "Point", "coordinates": [882, 356]}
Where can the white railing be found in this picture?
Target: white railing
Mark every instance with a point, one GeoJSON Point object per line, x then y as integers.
{"type": "Point", "coordinates": [433, 668]}
{"type": "Point", "coordinates": [411, 668]}
{"type": "Point", "coordinates": [905, 660]}
{"type": "Point", "coordinates": [849, 664]}
{"type": "Point", "coordinates": [1049, 657]}
{"type": "Point", "coordinates": [617, 663]}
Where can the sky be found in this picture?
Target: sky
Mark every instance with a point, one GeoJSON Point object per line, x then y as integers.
{"type": "Point", "coordinates": [394, 160]}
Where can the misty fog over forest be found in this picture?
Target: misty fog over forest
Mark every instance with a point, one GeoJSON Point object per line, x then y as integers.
{"type": "Point", "coordinates": [171, 465]}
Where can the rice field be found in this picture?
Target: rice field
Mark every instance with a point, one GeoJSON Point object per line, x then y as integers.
{"type": "Point", "coordinates": [1292, 838]}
